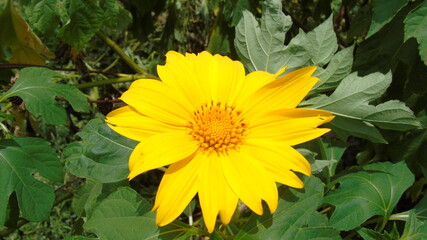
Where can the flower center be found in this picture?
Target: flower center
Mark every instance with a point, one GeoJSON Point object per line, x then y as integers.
{"type": "Point", "coordinates": [217, 127]}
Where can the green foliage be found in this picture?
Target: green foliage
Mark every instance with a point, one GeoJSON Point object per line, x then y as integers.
{"type": "Point", "coordinates": [35, 87]}
{"type": "Point", "coordinates": [355, 116]}
{"type": "Point", "coordinates": [101, 155]}
{"type": "Point", "coordinates": [126, 215]}
{"type": "Point", "coordinates": [18, 44]}
{"type": "Point", "coordinates": [384, 11]}
{"type": "Point", "coordinates": [373, 191]}
{"type": "Point", "coordinates": [20, 159]}
{"type": "Point", "coordinates": [369, 171]}
{"type": "Point", "coordinates": [295, 218]}
{"type": "Point", "coordinates": [416, 26]}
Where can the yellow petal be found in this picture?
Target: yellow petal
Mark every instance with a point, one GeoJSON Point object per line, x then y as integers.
{"type": "Point", "coordinates": [161, 150]}
{"type": "Point", "coordinates": [276, 156]}
{"type": "Point", "coordinates": [301, 137]}
{"type": "Point", "coordinates": [154, 99]}
{"type": "Point", "coordinates": [285, 92]}
{"type": "Point", "coordinates": [250, 181]}
{"type": "Point", "coordinates": [178, 186]}
{"type": "Point", "coordinates": [179, 73]}
{"type": "Point", "coordinates": [289, 121]}
{"type": "Point", "coordinates": [214, 193]}
{"type": "Point", "coordinates": [132, 124]}
{"type": "Point", "coordinates": [222, 77]}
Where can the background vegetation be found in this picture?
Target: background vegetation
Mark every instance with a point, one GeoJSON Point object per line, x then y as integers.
{"type": "Point", "coordinates": [64, 63]}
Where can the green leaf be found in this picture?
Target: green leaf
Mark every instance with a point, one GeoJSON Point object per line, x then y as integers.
{"type": "Point", "coordinates": [373, 191]}
{"type": "Point", "coordinates": [36, 88]}
{"type": "Point", "coordinates": [338, 68]}
{"type": "Point", "coordinates": [416, 26]}
{"type": "Point", "coordinates": [414, 229]}
{"type": "Point", "coordinates": [384, 11]}
{"type": "Point", "coordinates": [101, 155]}
{"type": "Point", "coordinates": [126, 215]}
{"type": "Point", "coordinates": [369, 234]}
{"type": "Point", "coordinates": [295, 218]}
{"type": "Point", "coordinates": [44, 15]}
{"type": "Point", "coordinates": [323, 43]}
{"type": "Point", "coordinates": [86, 18]}
{"type": "Point", "coordinates": [20, 158]}
{"type": "Point", "coordinates": [18, 39]}
{"type": "Point", "coordinates": [85, 198]}
{"type": "Point", "coordinates": [355, 116]}
{"type": "Point", "coordinates": [261, 48]}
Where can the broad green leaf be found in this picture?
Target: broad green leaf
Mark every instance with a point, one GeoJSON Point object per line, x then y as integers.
{"type": "Point", "coordinates": [384, 11]}
{"type": "Point", "coordinates": [414, 229]}
{"type": "Point", "coordinates": [416, 26]}
{"type": "Point", "coordinates": [36, 88]}
{"type": "Point", "coordinates": [101, 155]}
{"type": "Point", "coordinates": [19, 41]}
{"type": "Point", "coordinates": [86, 18]}
{"type": "Point", "coordinates": [375, 190]}
{"type": "Point", "coordinates": [338, 68]}
{"type": "Point", "coordinates": [115, 16]}
{"type": "Point", "coordinates": [350, 102]}
{"type": "Point", "coordinates": [126, 215]}
{"type": "Point", "coordinates": [20, 159]}
{"type": "Point", "coordinates": [295, 218]}
{"type": "Point", "coordinates": [323, 43]}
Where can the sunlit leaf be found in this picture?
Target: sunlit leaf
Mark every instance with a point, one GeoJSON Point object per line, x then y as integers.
{"type": "Point", "coordinates": [126, 215]}
{"type": "Point", "coordinates": [338, 68]}
{"type": "Point", "coordinates": [20, 159]}
{"type": "Point", "coordinates": [295, 218]}
{"type": "Point", "coordinates": [36, 88]}
{"type": "Point", "coordinates": [323, 43]}
{"type": "Point", "coordinates": [373, 191]}
{"type": "Point", "coordinates": [101, 155]}
{"type": "Point", "coordinates": [18, 40]}
{"type": "Point", "coordinates": [416, 26]}
{"type": "Point", "coordinates": [350, 102]}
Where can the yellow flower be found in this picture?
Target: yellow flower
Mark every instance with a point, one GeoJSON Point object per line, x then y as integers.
{"type": "Point", "coordinates": [226, 136]}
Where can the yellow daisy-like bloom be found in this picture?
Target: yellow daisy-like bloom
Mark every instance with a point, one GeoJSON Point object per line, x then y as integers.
{"type": "Point", "coordinates": [226, 135]}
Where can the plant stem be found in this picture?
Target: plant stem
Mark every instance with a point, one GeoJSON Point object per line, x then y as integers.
{"type": "Point", "coordinates": [121, 53]}
{"type": "Point", "coordinates": [126, 78]}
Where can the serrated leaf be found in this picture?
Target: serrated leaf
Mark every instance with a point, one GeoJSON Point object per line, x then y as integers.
{"type": "Point", "coordinates": [323, 43]}
{"type": "Point", "coordinates": [384, 11]}
{"type": "Point", "coordinates": [18, 39]}
{"type": "Point", "coordinates": [373, 191]}
{"type": "Point", "coordinates": [36, 88]}
{"type": "Point", "coordinates": [86, 18]}
{"type": "Point", "coordinates": [414, 229]}
{"type": "Point", "coordinates": [416, 26]}
{"type": "Point", "coordinates": [350, 102]}
{"type": "Point", "coordinates": [295, 218]}
{"type": "Point", "coordinates": [101, 155]}
{"type": "Point", "coordinates": [20, 158]}
{"type": "Point", "coordinates": [338, 68]}
{"type": "Point", "coordinates": [126, 215]}
{"type": "Point", "coordinates": [115, 16]}
{"type": "Point", "coordinates": [261, 48]}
